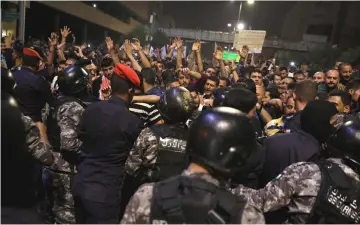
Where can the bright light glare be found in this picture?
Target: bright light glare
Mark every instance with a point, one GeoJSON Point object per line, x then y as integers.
{"type": "Point", "coordinates": [94, 5]}
{"type": "Point", "coordinates": [89, 45]}
{"type": "Point", "coordinates": [240, 26]}
{"type": "Point", "coordinates": [292, 63]}
{"type": "Point", "coordinates": [229, 24]}
{"type": "Point", "coordinates": [250, 2]}
{"type": "Point", "coordinates": [225, 47]}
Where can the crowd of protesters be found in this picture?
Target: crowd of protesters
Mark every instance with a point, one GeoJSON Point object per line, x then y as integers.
{"type": "Point", "coordinates": [98, 123]}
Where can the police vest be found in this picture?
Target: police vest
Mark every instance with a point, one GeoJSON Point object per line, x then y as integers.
{"type": "Point", "coordinates": [338, 200]}
{"type": "Point", "coordinates": [171, 158]}
{"type": "Point", "coordinates": [53, 129]}
{"type": "Point", "coordinates": [192, 200]}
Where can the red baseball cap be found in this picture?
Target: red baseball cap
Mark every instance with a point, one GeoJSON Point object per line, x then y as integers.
{"type": "Point", "coordinates": [127, 73]}
{"type": "Point", "coordinates": [31, 52]}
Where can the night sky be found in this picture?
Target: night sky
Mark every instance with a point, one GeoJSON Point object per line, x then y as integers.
{"type": "Point", "coordinates": [216, 15]}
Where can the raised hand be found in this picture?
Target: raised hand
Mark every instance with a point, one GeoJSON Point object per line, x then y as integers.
{"type": "Point", "coordinates": [218, 53]}
{"type": "Point", "coordinates": [178, 42]}
{"type": "Point", "coordinates": [127, 47]}
{"type": "Point", "coordinates": [244, 51]}
{"type": "Point", "coordinates": [65, 32]}
{"type": "Point", "coordinates": [53, 39]}
{"type": "Point", "coordinates": [78, 51]}
{"type": "Point", "coordinates": [136, 44]}
{"type": "Point", "coordinates": [109, 44]}
{"type": "Point", "coordinates": [196, 45]}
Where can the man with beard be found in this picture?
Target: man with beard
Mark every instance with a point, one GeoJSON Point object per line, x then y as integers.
{"type": "Point", "coordinates": [304, 92]}
{"type": "Point", "coordinates": [332, 82]}
{"type": "Point", "coordinates": [319, 77]}
{"type": "Point", "coordinates": [353, 88]}
{"type": "Point", "coordinates": [345, 70]}
{"type": "Point", "coordinates": [108, 130]}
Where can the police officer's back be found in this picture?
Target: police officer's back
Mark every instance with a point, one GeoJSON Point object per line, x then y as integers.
{"type": "Point", "coordinates": [219, 143]}
{"type": "Point", "coordinates": [325, 191]}
{"type": "Point", "coordinates": [108, 130]}
{"type": "Point", "coordinates": [159, 151]}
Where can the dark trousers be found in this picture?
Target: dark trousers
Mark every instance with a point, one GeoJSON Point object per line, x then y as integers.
{"type": "Point", "coordinates": [89, 212]}
{"type": "Point", "coordinates": [16, 215]}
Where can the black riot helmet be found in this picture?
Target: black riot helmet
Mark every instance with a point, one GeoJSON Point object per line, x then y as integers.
{"type": "Point", "coordinates": [73, 81]}
{"type": "Point", "coordinates": [221, 139]}
{"type": "Point", "coordinates": [8, 82]}
{"type": "Point", "coordinates": [176, 105]}
{"type": "Point", "coordinates": [219, 95]}
{"type": "Point", "coordinates": [345, 142]}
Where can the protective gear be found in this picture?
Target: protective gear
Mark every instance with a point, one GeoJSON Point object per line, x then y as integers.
{"type": "Point", "coordinates": [73, 81]}
{"type": "Point", "coordinates": [346, 142]}
{"type": "Point", "coordinates": [337, 197]}
{"type": "Point", "coordinates": [221, 139]}
{"type": "Point", "coordinates": [176, 201]}
{"type": "Point", "coordinates": [176, 105]}
{"type": "Point", "coordinates": [219, 96]}
{"type": "Point", "coordinates": [171, 156]}
{"type": "Point", "coordinates": [8, 82]}
{"type": "Point", "coordinates": [53, 128]}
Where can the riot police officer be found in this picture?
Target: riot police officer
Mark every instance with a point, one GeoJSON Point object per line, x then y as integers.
{"type": "Point", "coordinates": [61, 125]}
{"type": "Point", "coordinates": [158, 152]}
{"type": "Point", "coordinates": [325, 191]}
{"type": "Point", "coordinates": [219, 142]}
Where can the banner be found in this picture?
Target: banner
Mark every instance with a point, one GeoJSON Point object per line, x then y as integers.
{"type": "Point", "coordinates": [254, 39]}
{"type": "Point", "coordinates": [231, 56]}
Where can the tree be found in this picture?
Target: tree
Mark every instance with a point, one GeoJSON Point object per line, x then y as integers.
{"type": "Point", "coordinates": [159, 39]}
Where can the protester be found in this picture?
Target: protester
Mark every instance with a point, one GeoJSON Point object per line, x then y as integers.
{"type": "Point", "coordinates": [100, 121]}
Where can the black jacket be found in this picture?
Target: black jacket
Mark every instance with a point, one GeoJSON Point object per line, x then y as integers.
{"type": "Point", "coordinates": [283, 150]}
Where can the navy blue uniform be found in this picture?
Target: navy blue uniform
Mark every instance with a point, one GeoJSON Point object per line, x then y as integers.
{"type": "Point", "coordinates": [31, 92]}
{"type": "Point", "coordinates": [283, 150]}
{"type": "Point", "coordinates": [108, 130]}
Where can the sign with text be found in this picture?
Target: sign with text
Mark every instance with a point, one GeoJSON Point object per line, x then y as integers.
{"type": "Point", "coordinates": [254, 39]}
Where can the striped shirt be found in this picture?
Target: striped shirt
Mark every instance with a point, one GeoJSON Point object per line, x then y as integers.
{"type": "Point", "coordinates": [148, 113]}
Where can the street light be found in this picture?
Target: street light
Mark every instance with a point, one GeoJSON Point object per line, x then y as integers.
{"type": "Point", "coordinates": [240, 26]}
{"type": "Point", "coordinates": [250, 2]}
{"type": "Point", "coordinates": [94, 5]}
{"type": "Point", "coordinates": [292, 63]}
{"type": "Point", "coordinates": [229, 24]}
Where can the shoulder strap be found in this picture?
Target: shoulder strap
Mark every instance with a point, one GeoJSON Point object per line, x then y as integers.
{"type": "Point", "coordinates": [227, 210]}
{"type": "Point", "coordinates": [166, 202]}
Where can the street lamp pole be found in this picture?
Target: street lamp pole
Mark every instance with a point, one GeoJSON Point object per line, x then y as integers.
{"type": "Point", "coordinates": [238, 20]}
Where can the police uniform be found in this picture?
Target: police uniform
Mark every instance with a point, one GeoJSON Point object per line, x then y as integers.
{"type": "Point", "coordinates": [38, 149]}
{"type": "Point", "coordinates": [139, 209]}
{"type": "Point", "coordinates": [298, 186]}
{"type": "Point", "coordinates": [68, 118]}
{"type": "Point", "coordinates": [63, 135]}
{"type": "Point", "coordinates": [32, 91]}
{"type": "Point", "coordinates": [108, 131]}
{"type": "Point", "coordinates": [197, 196]}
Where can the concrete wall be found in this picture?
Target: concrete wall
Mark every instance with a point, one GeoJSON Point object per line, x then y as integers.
{"type": "Point", "coordinates": [92, 15]}
{"type": "Point", "coordinates": [140, 8]}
